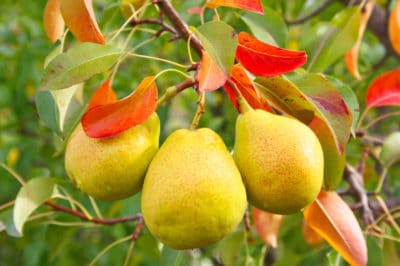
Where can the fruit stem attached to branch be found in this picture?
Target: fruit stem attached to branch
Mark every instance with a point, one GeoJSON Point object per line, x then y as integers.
{"type": "Point", "coordinates": [174, 90]}
{"type": "Point", "coordinates": [200, 111]}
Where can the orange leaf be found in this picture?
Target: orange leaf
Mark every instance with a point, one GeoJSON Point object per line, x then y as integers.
{"type": "Point", "coordinates": [351, 57]}
{"type": "Point", "coordinates": [263, 59]}
{"type": "Point", "coordinates": [310, 235]}
{"type": "Point", "coordinates": [80, 19]}
{"type": "Point", "coordinates": [112, 118]}
{"type": "Point", "coordinates": [246, 88]}
{"type": "Point", "coordinates": [384, 90]}
{"type": "Point", "coordinates": [249, 5]}
{"type": "Point", "coordinates": [332, 218]}
{"type": "Point", "coordinates": [394, 27]}
{"type": "Point", "coordinates": [267, 226]}
{"type": "Point", "coordinates": [52, 20]}
{"type": "Point", "coordinates": [103, 95]}
{"type": "Point", "coordinates": [210, 75]}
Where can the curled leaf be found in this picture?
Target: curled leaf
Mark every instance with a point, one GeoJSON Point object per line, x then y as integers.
{"type": "Point", "coordinates": [267, 226]}
{"type": "Point", "coordinates": [394, 27]}
{"type": "Point", "coordinates": [52, 20]}
{"type": "Point", "coordinates": [246, 87]}
{"type": "Point", "coordinates": [253, 6]}
{"type": "Point", "coordinates": [112, 118]}
{"type": "Point", "coordinates": [351, 57]}
{"type": "Point", "coordinates": [210, 75]}
{"type": "Point", "coordinates": [103, 95]}
{"type": "Point", "coordinates": [80, 19]}
{"type": "Point", "coordinates": [333, 219]}
{"type": "Point", "coordinates": [263, 59]}
{"type": "Point", "coordinates": [384, 90]}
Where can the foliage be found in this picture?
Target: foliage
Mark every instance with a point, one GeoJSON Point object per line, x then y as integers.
{"type": "Point", "coordinates": [327, 64]}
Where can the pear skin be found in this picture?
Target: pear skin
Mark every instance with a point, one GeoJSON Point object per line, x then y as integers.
{"type": "Point", "coordinates": [112, 168]}
{"type": "Point", "coordinates": [280, 159]}
{"type": "Point", "coordinates": [193, 194]}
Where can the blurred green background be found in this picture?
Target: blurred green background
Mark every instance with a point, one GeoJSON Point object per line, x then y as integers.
{"type": "Point", "coordinates": [32, 150]}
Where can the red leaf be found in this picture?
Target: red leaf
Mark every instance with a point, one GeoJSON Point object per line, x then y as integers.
{"type": "Point", "coordinates": [263, 59]}
{"type": "Point", "coordinates": [102, 96]}
{"type": "Point", "coordinates": [249, 5]}
{"type": "Point", "coordinates": [80, 19]}
{"type": "Point", "coordinates": [333, 219]}
{"type": "Point", "coordinates": [210, 75]}
{"type": "Point", "coordinates": [267, 226]}
{"type": "Point", "coordinates": [52, 20]}
{"type": "Point", "coordinates": [385, 90]}
{"type": "Point", "coordinates": [112, 118]}
{"type": "Point", "coordinates": [246, 88]}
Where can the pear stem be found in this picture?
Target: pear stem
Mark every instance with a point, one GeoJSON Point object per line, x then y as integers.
{"type": "Point", "coordinates": [200, 111]}
{"type": "Point", "coordinates": [174, 90]}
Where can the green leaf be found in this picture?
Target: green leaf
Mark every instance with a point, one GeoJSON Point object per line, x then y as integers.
{"type": "Point", "coordinates": [78, 64]}
{"type": "Point", "coordinates": [267, 27]}
{"type": "Point", "coordinates": [375, 252]}
{"type": "Point", "coordinates": [33, 194]}
{"type": "Point", "coordinates": [220, 41]}
{"type": "Point", "coordinates": [390, 152]}
{"type": "Point", "coordinates": [334, 259]}
{"type": "Point", "coordinates": [171, 257]}
{"type": "Point", "coordinates": [390, 255]}
{"type": "Point", "coordinates": [229, 247]}
{"type": "Point", "coordinates": [349, 97]}
{"type": "Point", "coordinates": [60, 110]}
{"type": "Point", "coordinates": [339, 38]}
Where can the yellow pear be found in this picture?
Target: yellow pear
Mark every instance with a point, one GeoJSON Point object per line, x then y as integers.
{"type": "Point", "coordinates": [112, 168]}
{"type": "Point", "coordinates": [280, 160]}
{"type": "Point", "coordinates": [193, 194]}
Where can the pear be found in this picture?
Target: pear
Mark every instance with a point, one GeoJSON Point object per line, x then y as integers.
{"type": "Point", "coordinates": [193, 194]}
{"type": "Point", "coordinates": [112, 168]}
{"type": "Point", "coordinates": [280, 159]}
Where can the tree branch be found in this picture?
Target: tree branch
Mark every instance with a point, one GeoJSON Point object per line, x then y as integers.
{"type": "Point", "coordinates": [82, 216]}
{"type": "Point", "coordinates": [181, 27]}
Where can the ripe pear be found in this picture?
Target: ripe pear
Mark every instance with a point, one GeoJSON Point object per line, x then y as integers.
{"type": "Point", "coordinates": [280, 159]}
{"type": "Point", "coordinates": [193, 194]}
{"type": "Point", "coordinates": [112, 168]}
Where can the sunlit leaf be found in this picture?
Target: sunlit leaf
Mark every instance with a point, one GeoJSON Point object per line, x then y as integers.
{"type": "Point", "coordinates": [263, 59]}
{"type": "Point", "coordinates": [210, 75]}
{"type": "Point", "coordinates": [220, 41]}
{"type": "Point", "coordinates": [229, 247]}
{"type": "Point", "coordinates": [80, 19]}
{"type": "Point", "coordinates": [390, 152]}
{"type": "Point", "coordinates": [330, 104]}
{"type": "Point", "coordinates": [333, 219]}
{"type": "Point", "coordinates": [52, 20]}
{"type": "Point", "coordinates": [390, 254]}
{"type": "Point", "coordinates": [337, 38]}
{"type": "Point", "coordinates": [384, 90]}
{"type": "Point", "coordinates": [351, 56]}
{"type": "Point", "coordinates": [394, 27]}
{"type": "Point", "coordinates": [246, 87]}
{"type": "Point", "coordinates": [33, 194]}
{"type": "Point", "coordinates": [103, 95]}
{"type": "Point", "coordinates": [249, 5]}
{"type": "Point", "coordinates": [60, 110]}
{"type": "Point", "coordinates": [78, 64]}
{"type": "Point", "coordinates": [267, 226]}
{"type": "Point", "coordinates": [270, 27]}
{"type": "Point", "coordinates": [349, 97]}
{"type": "Point", "coordinates": [113, 118]}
